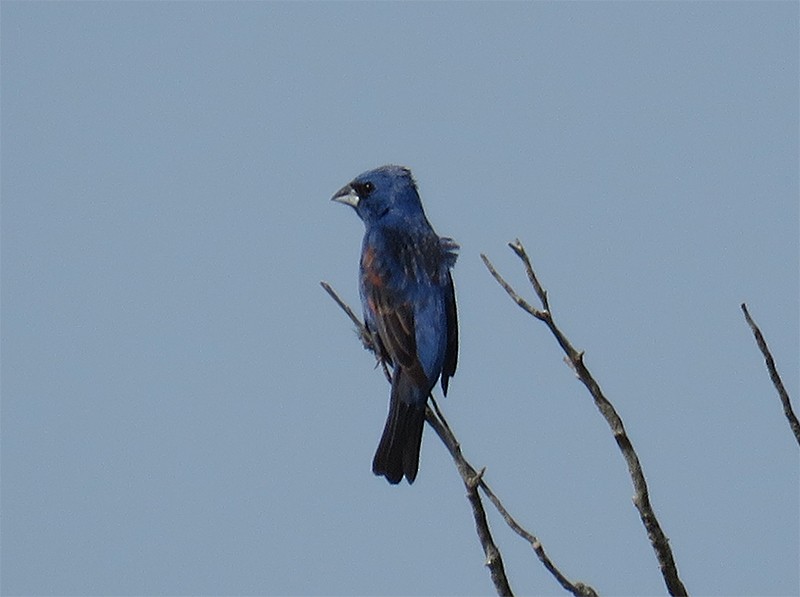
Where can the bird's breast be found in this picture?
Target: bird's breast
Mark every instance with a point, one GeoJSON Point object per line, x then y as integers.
{"type": "Point", "coordinates": [370, 269]}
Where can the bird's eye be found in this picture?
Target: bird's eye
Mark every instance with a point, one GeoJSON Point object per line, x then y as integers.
{"type": "Point", "coordinates": [364, 189]}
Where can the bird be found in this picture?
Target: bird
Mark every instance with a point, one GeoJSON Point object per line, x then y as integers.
{"type": "Point", "coordinates": [409, 304]}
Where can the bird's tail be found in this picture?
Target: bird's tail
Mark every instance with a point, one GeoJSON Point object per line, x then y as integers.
{"type": "Point", "coordinates": [398, 452]}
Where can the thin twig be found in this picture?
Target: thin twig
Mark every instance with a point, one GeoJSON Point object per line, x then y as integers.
{"type": "Point", "coordinates": [773, 373]}
{"type": "Point", "coordinates": [517, 247]}
{"type": "Point", "coordinates": [578, 589]}
{"type": "Point", "coordinates": [363, 331]}
{"type": "Point", "coordinates": [641, 498]}
{"type": "Point", "coordinates": [473, 479]}
{"type": "Point", "coordinates": [542, 315]}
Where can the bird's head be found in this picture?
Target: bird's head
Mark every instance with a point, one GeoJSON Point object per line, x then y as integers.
{"type": "Point", "coordinates": [388, 191]}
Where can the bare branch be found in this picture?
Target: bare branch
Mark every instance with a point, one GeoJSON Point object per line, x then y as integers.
{"type": "Point", "coordinates": [363, 332]}
{"type": "Point", "coordinates": [773, 373]}
{"type": "Point", "coordinates": [517, 247]}
{"type": "Point", "coordinates": [468, 474]}
{"type": "Point", "coordinates": [578, 589]}
{"type": "Point", "coordinates": [641, 498]}
{"type": "Point", "coordinates": [514, 296]}
{"type": "Point", "coordinates": [472, 480]}
{"type": "Point", "coordinates": [362, 329]}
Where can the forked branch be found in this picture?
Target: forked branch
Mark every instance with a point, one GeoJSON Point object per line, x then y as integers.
{"type": "Point", "coordinates": [641, 498]}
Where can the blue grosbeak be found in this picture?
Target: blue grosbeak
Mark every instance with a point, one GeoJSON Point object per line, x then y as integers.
{"type": "Point", "coordinates": [409, 306]}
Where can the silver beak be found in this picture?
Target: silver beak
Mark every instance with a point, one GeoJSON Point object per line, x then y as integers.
{"type": "Point", "coordinates": [346, 195]}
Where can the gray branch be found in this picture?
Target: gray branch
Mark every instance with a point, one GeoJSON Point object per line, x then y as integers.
{"type": "Point", "coordinates": [641, 498]}
{"type": "Point", "coordinates": [773, 373]}
{"type": "Point", "coordinates": [472, 480]}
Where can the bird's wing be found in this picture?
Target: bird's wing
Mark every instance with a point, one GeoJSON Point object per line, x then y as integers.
{"type": "Point", "coordinates": [393, 318]}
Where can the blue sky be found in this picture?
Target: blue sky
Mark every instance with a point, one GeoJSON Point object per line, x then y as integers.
{"type": "Point", "coordinates": [184, 411]}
